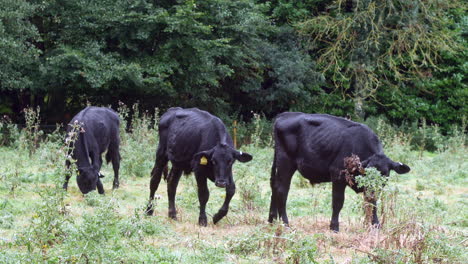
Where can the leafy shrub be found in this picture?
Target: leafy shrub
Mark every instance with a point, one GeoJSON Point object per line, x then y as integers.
{"type": "Point", "coordinates": [276, 241]}
{"type": "Point", "coordinates": [6, 216]}
{"type": "Point", "coordinates": [257, 132]}
{"type": "Point", "coordinates": [9, 132]}
{"type": "Point", "coordinates": [32, 133]}
{"type": "Point", "coordinates": [138, 146]}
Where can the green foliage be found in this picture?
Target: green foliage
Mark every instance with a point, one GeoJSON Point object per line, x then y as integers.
{"type": "Point", "coordinates": [276, 241]}
{"type": "Point", "coordinates": [32, 133]}
{"type": "Point", "coordinates": [404, 60]}
{"type": "Point", "coordinates": [372, 181]}
{"type": "Point", "coordinates": [134, 146]}
{"type": "Point", "coordinates": [18, 54]}
{"type": "Point", "coordinates": [9, 132]}
{"type": "Point", "coordinates": [364, 47]}
{"type": "Point", "coordinates": [284, 11]}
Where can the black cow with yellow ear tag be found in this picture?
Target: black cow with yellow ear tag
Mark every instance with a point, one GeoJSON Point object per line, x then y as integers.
{"type": "Point", "coordinates": [195, 141]}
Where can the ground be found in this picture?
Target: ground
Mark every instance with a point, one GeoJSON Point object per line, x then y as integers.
{"type": "Point", "coordinates": [423, 214]}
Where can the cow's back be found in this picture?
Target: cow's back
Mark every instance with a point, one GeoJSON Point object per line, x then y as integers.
{"type": "Point", "coordinates": [100, 126]}
{"type": "Point", "coordinates": [92, 116]}
{"type": "Point", "coordinates": [185, 132]}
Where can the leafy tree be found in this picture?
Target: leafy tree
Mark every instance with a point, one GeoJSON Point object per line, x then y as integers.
{"type": "Point", "coordinates": [363, 46]}
{"type": "Point", "coordinates": [18, 53]}
{"type": "Point", "coordinates": [293, 11]}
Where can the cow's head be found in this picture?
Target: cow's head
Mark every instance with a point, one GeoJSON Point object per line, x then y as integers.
{"type": "Point", "coordinates": [384, 164]}
{"type": "Point", "coordinates": [87, 179]}
{"type": "Point", "coordinates": [220, 159]}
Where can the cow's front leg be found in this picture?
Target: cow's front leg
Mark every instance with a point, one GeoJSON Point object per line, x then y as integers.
{"type": "Point", "coordinates": [172, 182]}
{"type": "Point", "coordinates": [97, 163]}
{"type": "Point", "coordinates": [230, 191]}
{"type": "Point", "coordinates": [375, 219]}
{"type": "Point", "coordinates": [67, 175]}
{"type": "Point", "coordinates": [338, 190]}
{"type": "Point", "coordinates": [370, 200]}
{"type": "Point", "coordinates": [100, 187]}
{"type": "Point", "coordinates": [203, 196]}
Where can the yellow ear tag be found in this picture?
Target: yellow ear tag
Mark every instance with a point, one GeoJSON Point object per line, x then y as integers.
{"type": "Point", "coordinates": [203, 160]}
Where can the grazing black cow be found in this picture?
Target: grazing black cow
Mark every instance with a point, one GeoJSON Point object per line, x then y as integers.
{"type": "Point", "coordinates": [316, 145]}
{"type": "Point", "coordinates": [99, 130]}
{"type": "Point", "coordinates": [194, 140]}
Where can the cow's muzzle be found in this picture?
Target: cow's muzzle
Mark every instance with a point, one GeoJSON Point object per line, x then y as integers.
{"type": "Point", "coordinates": [221, 184]}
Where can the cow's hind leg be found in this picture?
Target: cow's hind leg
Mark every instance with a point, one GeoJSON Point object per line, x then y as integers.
{"type": "Point", "coordinates": [281, 187]}
{"type": "Point", "coordinates": [273, 215]}
{"type": "Point", "coordinates": [156, 173]}
{"type": "Point", "coordinates": [338, 190]}
{"type": "Point", "coordinates": [203, 196]}
{"type": "Point", "coordinates": [230, 191]}
{"type": "Point", "coordinates": [113, 154]}
{"type": "Point", "coordinates": [172, 182]}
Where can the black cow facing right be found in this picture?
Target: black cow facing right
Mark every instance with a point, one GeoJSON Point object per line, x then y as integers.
{"type": "Point", "coordinates": [99, 132]}
{"type": "Point", "coordinates": [316, 145]}
{"type": "Point", "coordinates": [194, 140]}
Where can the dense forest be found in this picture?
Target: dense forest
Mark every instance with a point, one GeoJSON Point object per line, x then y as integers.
{"type": "Point", "coordinates": [405, 60]}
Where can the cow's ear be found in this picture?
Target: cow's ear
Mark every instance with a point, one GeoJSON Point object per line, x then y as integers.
{"type": "Point", "coordinates": [400, 168]}
{"type": "Point", "coordinates": [243, 156]}
{"type": "Point", "coordinates": [201, 158]}
{"type": "Point", "coordinates": [368, 162]}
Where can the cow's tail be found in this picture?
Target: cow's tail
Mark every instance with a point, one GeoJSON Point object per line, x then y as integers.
{"type": "Point", "coordinates": [273, 167]}
{"type": "Point", "coordinates": [108, 157]}
{"type": "Point", "coordinates": [165, 172]}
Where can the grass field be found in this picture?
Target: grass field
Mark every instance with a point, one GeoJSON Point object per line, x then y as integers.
{"type": "Point", "coordinates": [424, 213]}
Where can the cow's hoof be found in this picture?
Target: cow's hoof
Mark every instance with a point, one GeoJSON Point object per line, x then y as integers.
{"type": "Point", "coordinates": [334, 228]}
{"type": "Point", "coordinates": [217, 217]}
{"type": "Point", "coordinates": [202, 221]}
{"type": "Point", "coordinates": [115, 186]}
{"type": "Point", "coordinates": [149, 210]}
{"type": "Point", "coordinates": [65, 186]}
{"type": "Point", "coordinates": [173, 215]}
{"type": "Point", "coordinates": [272, 218]}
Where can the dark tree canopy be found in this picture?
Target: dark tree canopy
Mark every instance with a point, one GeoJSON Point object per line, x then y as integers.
{"type": "Point", "coordinates": [402, 59]}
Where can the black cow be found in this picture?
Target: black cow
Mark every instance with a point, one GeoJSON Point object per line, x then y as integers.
{"type": "Point", "coordinates": [99, 130]}
{"type": "Point", "coordinates": [316, 145]}
{"type": "Point", "coordinates": [194, 140]}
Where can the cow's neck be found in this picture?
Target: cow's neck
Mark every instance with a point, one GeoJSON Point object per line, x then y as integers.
{"type": "Point", "coordinates": [82, 152]}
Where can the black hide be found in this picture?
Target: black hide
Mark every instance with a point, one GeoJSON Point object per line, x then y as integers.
{"type": "Point", "coordinates": [194, 140]}
{"type": "Point", "coordinates": [316, 146]}
{"type": "Point", "coordinates": [99, 131]}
